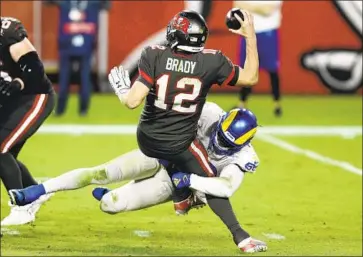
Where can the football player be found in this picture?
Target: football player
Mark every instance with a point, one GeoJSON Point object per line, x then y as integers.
{"type": "Point", "coordinates": [26, 100]}
{"type": "Point", "coordinates": [130, 62]}
{"type": "Point", "coordinates": [175, 81]}
{"type": "Point", "coordinates": [227, 138]}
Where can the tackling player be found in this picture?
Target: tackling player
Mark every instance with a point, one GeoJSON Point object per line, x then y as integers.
{"type": "Point", "coordinates": [175, 81]}
{"type": "Point", "coordinates": [26, 100]}
{"type": "Point", "coordinates": [151, 184]}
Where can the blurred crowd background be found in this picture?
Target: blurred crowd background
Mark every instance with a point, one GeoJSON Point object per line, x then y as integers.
{"type": "Point", "coordinates": [318, 43]}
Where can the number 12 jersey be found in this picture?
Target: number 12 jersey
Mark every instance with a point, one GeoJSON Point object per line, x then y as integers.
{"type": "Point", "coordinates": [179, 84]}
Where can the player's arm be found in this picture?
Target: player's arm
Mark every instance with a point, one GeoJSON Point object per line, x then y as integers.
{"type": "Point", "coordinates": [248, 75]}
{"type": "Point", "coordinates": [231, 176]}
{"type": "Point", "coordinates": [120, 82]}
{"type": "Point", "coordinates": [23, 53]}
{"type": "Point", "coordinates": [229, 180]}
{"type": "Point", "coordinates": [132, 97]}
{"type": "Point", "coordinates": [234, 75]}
{"type": "Point", "coordinates": [265, 9]}
{"type": "Point", "coordinates": [223, 186]}
{"type": "Point", "coordinates": [136, 95]}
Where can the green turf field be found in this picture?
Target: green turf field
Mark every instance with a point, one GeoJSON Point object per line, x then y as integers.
{"type": "Point", "coordinates": [307, 190]}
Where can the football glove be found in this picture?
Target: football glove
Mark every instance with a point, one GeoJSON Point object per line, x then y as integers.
{"type": "Point", "coordinates": [8, 89]}
{"type": "Point", "coordinates": [181, 180]}
{"type": "Point", "coordinates": [119, 80]}
{"type": "Point", "coordinates": [251, 245]}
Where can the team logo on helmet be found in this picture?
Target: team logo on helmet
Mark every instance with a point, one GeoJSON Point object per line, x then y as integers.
{"type": "Point", "coordinates": [181, 23]}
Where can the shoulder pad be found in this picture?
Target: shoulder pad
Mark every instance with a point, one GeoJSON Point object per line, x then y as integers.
{"type": "Point", "coordinates": [248, 160]}
{"type": "Point", "coordinates": [12, 31]}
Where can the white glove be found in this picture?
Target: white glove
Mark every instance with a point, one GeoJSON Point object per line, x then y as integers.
{"type": "Point", "coordinates": [119, 80]}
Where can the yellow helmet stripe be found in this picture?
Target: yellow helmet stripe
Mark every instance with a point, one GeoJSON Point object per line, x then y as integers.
{"type": "Point", "coordinates": [228, 121]}
{"type": "Point", "coordinates": [242, 139]}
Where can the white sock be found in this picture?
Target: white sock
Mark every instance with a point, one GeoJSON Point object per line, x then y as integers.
{"type": "Point", "coordinates": [77, 178]}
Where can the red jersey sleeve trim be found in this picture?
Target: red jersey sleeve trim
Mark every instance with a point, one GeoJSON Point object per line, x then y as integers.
{"type": "Point", "coordinates": [229, 78]}
{"type": "Point", "coordinates": [146, 77]}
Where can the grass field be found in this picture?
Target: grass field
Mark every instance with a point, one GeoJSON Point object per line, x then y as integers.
{"type": "Point", "coordinates": [308, 189]}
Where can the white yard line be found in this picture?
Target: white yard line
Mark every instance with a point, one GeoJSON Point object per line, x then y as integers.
{"type": "Point", "coordinates": [80, 129]}
{"type": "Point", "coordinates": [9, 231]}
{"type": "Point", "coordinates": [274, 236]}
{"type": "Point", "coordinates": [264, 133]}
{"type": "Point", "coordinates": [310, 154]}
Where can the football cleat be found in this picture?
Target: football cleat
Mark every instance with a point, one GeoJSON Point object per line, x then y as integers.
{"type": "Point", "coordinates": [35, 206]}
{"type": "Point", "coordinates": [19, 215]}
{"type": "Point", "coordinates": [197, 203]}
{"type": "Point", "coordinates": [192, 202]}
{"type": "Point", "coordinates": [183, 207]}
{"type": "Point", "coordinates": [278, 112]}
{"type": "Point", "coordinates": [251, 245]}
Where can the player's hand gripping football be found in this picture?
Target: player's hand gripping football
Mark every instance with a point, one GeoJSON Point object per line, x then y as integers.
{"type": "Point", "coordinates": [119, 80]}
{"type": "Point", "coordinates": [247, 28]}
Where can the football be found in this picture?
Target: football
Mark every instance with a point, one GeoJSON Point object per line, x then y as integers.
{"type": "Point", "coordinates": [231, 21]}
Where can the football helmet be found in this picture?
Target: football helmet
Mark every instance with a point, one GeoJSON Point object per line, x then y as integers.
{"type": "Point", "coordinates": [234, 130]}
{"type": "Point", "coordinates": [187, 31]}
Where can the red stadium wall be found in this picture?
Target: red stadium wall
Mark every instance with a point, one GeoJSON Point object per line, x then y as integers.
{"type": "Point", "coordinates": [306, 25]}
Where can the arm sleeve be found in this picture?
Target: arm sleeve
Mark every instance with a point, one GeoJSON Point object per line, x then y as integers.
{"type": "Point", "coordinates": [146, 69]}
{"type": "Point", "coordinates": [227, 72]}
{"type": "Point", "coordinates": [224, 186]}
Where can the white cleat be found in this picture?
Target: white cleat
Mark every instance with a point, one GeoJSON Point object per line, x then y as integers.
{"type": "Point", "coordinates": [20, 215]}
{"type": "Point", "coordinates": [36, 204]}
{"type": "Point", "coordinates": [251, 245]}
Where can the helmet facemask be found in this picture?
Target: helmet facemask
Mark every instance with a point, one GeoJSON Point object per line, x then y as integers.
{"type": "Point", "coordinates": [220, 144]}
{"type": "Point", "coordinates": [234, 130]}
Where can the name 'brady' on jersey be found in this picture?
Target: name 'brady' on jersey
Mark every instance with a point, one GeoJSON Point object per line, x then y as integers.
{"type": "Point", "coordinates": [179, 84]}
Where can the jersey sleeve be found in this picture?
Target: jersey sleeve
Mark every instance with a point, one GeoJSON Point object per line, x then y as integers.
{"type": "Point", "coordinates": [146, 67]}
{"type": "Point", "coordinates": [227, 72]}
{"type": "Point", "coordinates": [247, 159]}
{"type": "Point", "coordinates": [12, 32]}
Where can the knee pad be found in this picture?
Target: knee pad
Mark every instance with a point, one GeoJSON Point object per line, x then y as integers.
{"type": "Point", "coordinates": [111, 203]}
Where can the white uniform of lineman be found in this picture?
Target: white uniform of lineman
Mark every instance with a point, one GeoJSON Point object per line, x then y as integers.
{"type": "Point", "coordinates": [157, 189]}
{"type": "Point", "coordinates": [151, 185]}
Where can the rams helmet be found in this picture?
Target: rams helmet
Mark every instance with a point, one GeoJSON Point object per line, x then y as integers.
{"type": "Point", "coordinates": [234, 130]}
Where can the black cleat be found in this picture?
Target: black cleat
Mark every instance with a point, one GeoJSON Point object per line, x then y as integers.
{"type": "Point", "coordinates": [278, 112]}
